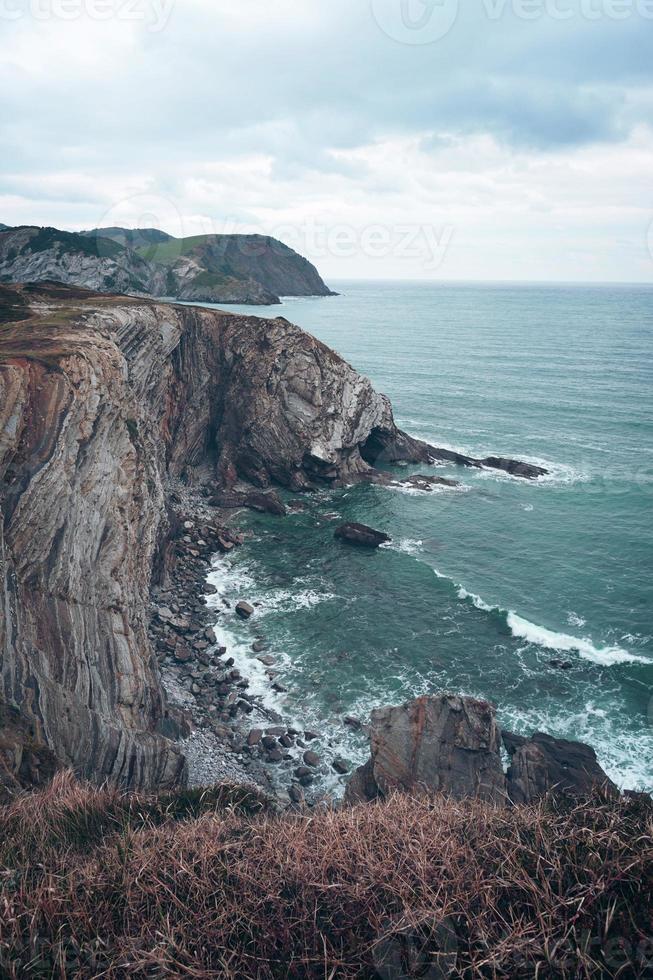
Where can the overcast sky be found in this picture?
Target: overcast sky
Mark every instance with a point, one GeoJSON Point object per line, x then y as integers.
{"type": "Point", "coordinates": [485, 139]}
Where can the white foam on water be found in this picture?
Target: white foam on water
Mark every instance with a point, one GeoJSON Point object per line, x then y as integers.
{"type": "Point", "coordinates": [564, 643]}
{"type": "Point", "coordinates": [558, 474]}
{"type": "Point", "coordinates": [287, 600]}
{"type": "Point", "coordinates": [575, 620]}
{"type": "Point", "coordinates": [408, 546]}
{"type": "Point", "coordinates": [412, 491]}
{"type": "Point", "coordinates": [550, 639]}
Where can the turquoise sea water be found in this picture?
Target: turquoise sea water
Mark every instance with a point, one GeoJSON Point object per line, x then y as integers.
{"type": "Point", "coordinates": [484, 586]}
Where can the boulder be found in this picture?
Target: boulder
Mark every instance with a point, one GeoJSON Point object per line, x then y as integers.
{"type": "Point", "coordinates": [427, 483]}
{"type": "Point", "coordinates": [361, 535]}
{"type": "Point", "coordinates": [296, 794]}
{"type": "Point", "coordinates": [443, 743]}
{"type": "Point", "coordinates": [182, 654]}
{"type": "Point", "coordinates": [543, 764]}
{"type": "Point", "coordinates": [244, 610]}
{"type": "Point", "coordinates": [311, 759]}
{"type": "Point", "coordinates": [514, 467]}
{"type": "Point", "coordinates": [266, 503]}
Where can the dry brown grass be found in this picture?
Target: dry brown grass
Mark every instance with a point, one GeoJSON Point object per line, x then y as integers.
{"type": "Point", "coordinates": [98, 884]}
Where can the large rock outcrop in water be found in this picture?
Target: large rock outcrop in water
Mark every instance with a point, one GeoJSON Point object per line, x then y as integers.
{"type": "Point", "coordinates": [446, 744]}
{"type": "Point", "coordinates": [102, 401]}
{"type": "Point", "coordinates": [451, 744]}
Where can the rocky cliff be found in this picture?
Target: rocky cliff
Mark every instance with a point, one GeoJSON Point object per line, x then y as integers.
{"type": "Point", "coordinates": [250, 269]}
{"type": "Point", "coordinates": [207, 267]}
{"type": "Point", "coordinates": [102, 401]}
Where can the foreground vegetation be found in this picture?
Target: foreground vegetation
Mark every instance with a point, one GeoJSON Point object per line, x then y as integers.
{"type": "Point", "coordinates": [94, 883]}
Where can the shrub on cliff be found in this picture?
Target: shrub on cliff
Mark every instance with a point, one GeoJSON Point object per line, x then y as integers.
{"type": "Point", "coordinates": [96, 883]}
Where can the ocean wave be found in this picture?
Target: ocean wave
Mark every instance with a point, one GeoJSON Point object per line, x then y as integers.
{"type": "Point", "coordinates": [548, 639]}
{"type": "Point", "coordinates": [235, 582]}
{"type": "Point", "coordinates": [558, 474]}
{"type": "Point", "coordinates": [564, 643]}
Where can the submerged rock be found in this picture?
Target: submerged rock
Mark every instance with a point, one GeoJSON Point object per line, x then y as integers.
{"type": "Point", "coordinates": [362, 535]}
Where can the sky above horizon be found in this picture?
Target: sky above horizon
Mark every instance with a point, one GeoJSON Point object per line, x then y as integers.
{"type": "Point", "coordinates": [418, 139]}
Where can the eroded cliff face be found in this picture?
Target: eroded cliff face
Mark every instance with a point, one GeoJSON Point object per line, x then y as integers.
{"type": "Point", "coordinates": [102, 400]}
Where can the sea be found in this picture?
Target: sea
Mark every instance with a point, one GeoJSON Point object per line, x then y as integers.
{"type": "Point", "coordinates": [535, 595]}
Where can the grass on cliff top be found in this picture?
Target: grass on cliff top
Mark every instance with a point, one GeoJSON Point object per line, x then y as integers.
{"type": "Point", "coordinates": [94, 883]}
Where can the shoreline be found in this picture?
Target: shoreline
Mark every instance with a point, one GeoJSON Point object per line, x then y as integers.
{"type": "Point", "coordinates": [231, 734]}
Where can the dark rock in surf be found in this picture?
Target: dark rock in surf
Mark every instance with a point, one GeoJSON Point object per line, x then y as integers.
{"type": "Point", "coordinates": [445, 743]}
{"type": "Point", "coordinates": [361, 535]}
{"type": "Point", "coordinates": [526, 470]}
{"type": "Point", "coordinates": [451, 744]}
{"type": "Point", "coordinates": [244, 610]}
{"type": "Point", "coordinates": [543, 764]}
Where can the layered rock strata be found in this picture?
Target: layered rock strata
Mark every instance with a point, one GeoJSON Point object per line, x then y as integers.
{"type": "Point", "coordinates": [103, 401]}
